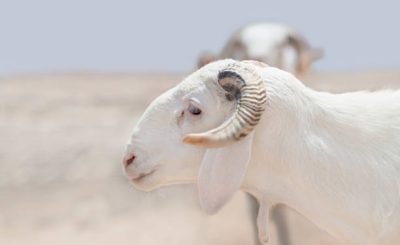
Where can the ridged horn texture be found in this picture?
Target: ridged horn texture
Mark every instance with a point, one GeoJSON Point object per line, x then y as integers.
{"type": "Point", "coordinates": [243, 85]}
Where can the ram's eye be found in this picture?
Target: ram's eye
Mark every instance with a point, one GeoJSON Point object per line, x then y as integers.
{"type": "Point", "coordinates": [194, 110]}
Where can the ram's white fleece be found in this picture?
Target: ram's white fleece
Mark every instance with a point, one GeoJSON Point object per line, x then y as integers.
{"type": "Point", "coordinates": [263, 40]}
{"type": "Point", "coordinates": [335, 158]}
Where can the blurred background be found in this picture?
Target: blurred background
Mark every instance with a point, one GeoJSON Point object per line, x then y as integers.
{"type": "Point", "coordinates": [123, 35]}
{"type": "Point", "coordinates": [75, 77]}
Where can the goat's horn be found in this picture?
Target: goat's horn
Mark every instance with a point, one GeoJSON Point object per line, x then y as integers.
{"type": "Point", "coordinates": [250, 96]}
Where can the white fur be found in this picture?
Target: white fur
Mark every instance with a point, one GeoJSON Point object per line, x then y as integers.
{"type": "Point", "coordinates": [262, 40]}
{"type": "Point", "coordinates": [333, 158]}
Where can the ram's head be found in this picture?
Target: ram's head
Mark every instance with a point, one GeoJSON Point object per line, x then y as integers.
{"type": "Point", "coordinates": [200, 131]}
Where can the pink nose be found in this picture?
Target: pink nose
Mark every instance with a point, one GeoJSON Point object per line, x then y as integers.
{"type": "Point", "coordinates": [128, 159]}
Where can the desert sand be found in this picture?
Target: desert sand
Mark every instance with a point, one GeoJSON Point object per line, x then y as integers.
{"type": "Point", "coordinates": [61, 180]}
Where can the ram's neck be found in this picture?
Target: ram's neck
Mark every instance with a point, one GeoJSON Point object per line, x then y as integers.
{"type": "Point", "coordinates": [317, 153]}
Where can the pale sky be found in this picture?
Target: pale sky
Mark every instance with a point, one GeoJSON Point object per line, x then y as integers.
{"type": "Point", "coordinates": [128, 35]}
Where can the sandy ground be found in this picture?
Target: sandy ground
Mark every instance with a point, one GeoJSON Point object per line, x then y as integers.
{"type": "Point", "coordinates": [61, 140]}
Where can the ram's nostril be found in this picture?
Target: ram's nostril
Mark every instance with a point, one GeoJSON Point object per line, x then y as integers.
{"type": "Point", "coordinates": [128, 160]}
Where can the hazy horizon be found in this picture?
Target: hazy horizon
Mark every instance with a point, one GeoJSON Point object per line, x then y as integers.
{"type": "Point", "coordinates": [112, 36]}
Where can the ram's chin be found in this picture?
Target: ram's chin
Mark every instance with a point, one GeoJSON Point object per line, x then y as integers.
{"type": "Point", "coordinates": [146, 183]}
{"type": "Point", "coordinates": [144, 187]}
{"type": "Point", "coordinates": [151, 182]}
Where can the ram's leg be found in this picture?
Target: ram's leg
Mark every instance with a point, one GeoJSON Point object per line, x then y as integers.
{"type": "Point", "coordinates": [278, 215]}
{"type": "Point", "coordinates": [262, 223]}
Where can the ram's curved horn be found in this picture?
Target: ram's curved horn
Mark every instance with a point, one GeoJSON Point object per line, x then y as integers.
{"type": "Point", "coordinates": [242, 84]}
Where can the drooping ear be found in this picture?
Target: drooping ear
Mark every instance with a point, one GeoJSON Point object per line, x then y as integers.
{"type": "Point", "coordinates": [307, 58]}
{"type": "Point", "coordinates": [222, 172]}
{"type": "Point", "coordinates": [315, 54]}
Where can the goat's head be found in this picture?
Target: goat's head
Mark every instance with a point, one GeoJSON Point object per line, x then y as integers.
{"type": "Point", "coordinates": [200, 130]}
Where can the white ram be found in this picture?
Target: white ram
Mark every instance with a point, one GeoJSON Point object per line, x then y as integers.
{"type": "Point", "coordinates": [335, 158]}
{"type": "Point", "coordinates": [276, 44]}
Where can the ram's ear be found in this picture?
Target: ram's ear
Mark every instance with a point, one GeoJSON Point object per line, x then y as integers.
{"type": "Point", "coordinates": [222, 172]}
{"type": "Point", "coordinates": [315, 54]}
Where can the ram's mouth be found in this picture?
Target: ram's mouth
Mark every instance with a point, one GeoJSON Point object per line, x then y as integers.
{"type": "Point", "coordinates": [139, 177]}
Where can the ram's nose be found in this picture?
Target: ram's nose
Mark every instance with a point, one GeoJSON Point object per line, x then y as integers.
{"type": "Point", "coordinates": [129, 158]}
